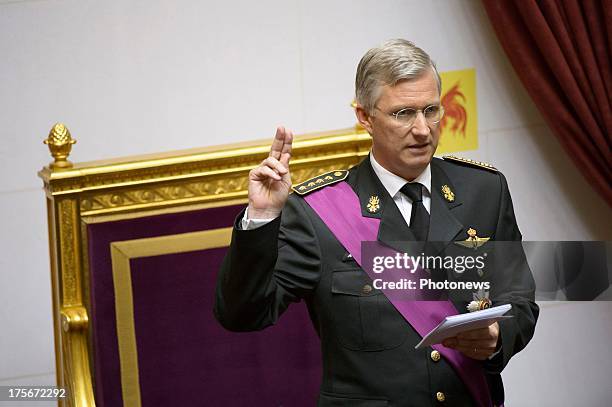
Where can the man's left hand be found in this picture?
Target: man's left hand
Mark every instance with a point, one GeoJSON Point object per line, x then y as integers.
{"type": "Point", "coordinates": [477, 344]}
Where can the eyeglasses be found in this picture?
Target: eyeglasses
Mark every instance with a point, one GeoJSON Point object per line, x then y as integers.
{"type": "Point", "coordinates": [406, 117]}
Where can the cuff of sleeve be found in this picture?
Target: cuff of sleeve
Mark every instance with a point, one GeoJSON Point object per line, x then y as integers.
{"type": "Point", "coordinates": [250, 224]}
{"type": "Point", "coordinates": [495, 353]}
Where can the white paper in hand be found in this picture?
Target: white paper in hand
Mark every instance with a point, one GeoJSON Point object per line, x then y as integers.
{"type": "Point", "coordinates": [454, 324]}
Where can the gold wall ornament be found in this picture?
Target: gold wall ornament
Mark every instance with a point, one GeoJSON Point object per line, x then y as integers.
{"type": "Point", "coordinates": [448, 194]}
{"type": "Point", "coordinates": [373, 204]}
{"type": "Point", "coordinates": [60, 144]}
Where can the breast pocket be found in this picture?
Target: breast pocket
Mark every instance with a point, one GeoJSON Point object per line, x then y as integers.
{"type": "Point", "coordinates": [363, 317]}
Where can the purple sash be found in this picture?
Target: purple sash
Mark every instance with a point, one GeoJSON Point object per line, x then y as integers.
{"type": "Point", "coordinates": [339, 208]}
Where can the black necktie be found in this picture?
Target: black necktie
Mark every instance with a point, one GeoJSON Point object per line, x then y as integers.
{"type": "Point", "coordinates": [419, 217]}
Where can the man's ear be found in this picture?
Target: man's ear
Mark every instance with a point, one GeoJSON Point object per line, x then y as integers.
{"type": "Point", "coordinates": [364, 118]}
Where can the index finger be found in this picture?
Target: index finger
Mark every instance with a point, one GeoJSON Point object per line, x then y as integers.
{"type": "Point", "coordinates": [286, 151]}
{"type": "Point", "coordinates": [278, 143]}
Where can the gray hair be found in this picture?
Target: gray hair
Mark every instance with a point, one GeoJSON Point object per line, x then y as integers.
{"type": "Point", "coordinates": [391, 62]}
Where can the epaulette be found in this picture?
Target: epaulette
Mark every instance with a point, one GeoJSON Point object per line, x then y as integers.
{"type": "Point", "coordinates": [480, 164]}
{"type": "Point", "coordinates": [320, 181]}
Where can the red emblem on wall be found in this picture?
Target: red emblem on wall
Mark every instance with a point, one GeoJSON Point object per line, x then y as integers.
{"type": "Point", "coordinates": [454, 102]}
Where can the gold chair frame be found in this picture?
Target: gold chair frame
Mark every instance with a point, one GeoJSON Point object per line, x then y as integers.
{"type": "Point", "coordinates": [84, 193]}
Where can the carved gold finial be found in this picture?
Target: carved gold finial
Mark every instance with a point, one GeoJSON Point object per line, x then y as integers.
{"type": "Point", "coordinates": [60, 143]}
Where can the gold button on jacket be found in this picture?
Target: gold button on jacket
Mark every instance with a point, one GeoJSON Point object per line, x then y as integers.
{"type": "Point", "coordinates": [435, 355]}
{"type": "Point", "coordinates": [440, 396]}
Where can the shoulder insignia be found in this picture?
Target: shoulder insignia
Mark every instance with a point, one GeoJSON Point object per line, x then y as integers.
{"type": "Point", "coordinates": [320, 181]}
{"type": "Point", "coordinates": [462, 160]}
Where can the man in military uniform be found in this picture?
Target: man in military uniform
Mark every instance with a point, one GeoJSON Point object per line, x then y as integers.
{"type": "Point", "coordinates": [284, 250]}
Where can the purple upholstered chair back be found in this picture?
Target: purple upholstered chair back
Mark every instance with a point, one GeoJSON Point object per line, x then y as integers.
{"type": "Point", "coordinates": [176, 353]}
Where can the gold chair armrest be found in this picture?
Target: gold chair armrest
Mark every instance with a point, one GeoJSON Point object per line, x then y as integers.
{"type": "Point", "coordinates": [76, 361]}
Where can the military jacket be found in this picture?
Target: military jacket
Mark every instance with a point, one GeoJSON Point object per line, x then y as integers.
{"type": "Point", "coordinates": [367, 346]}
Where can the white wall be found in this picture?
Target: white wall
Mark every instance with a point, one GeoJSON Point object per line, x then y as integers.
{"type": "Point", "coordinates": [131, 77]}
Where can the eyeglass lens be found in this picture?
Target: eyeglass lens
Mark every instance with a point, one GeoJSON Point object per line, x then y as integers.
{"type": "Point", "coordinates": [432, 114]}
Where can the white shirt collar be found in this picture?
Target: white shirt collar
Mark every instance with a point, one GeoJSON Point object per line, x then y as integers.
{"type": "Point", "coordinates": [393, 183]}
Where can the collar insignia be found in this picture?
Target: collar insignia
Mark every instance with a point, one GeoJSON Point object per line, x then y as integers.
{"type": "Point", "coordinates": [373, 204]}
{"type": "Point", "coordinates": [448, 194]}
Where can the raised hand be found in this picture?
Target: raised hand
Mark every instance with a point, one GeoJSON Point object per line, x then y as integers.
{"type": "Point", "coordinates": [270, 182]}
